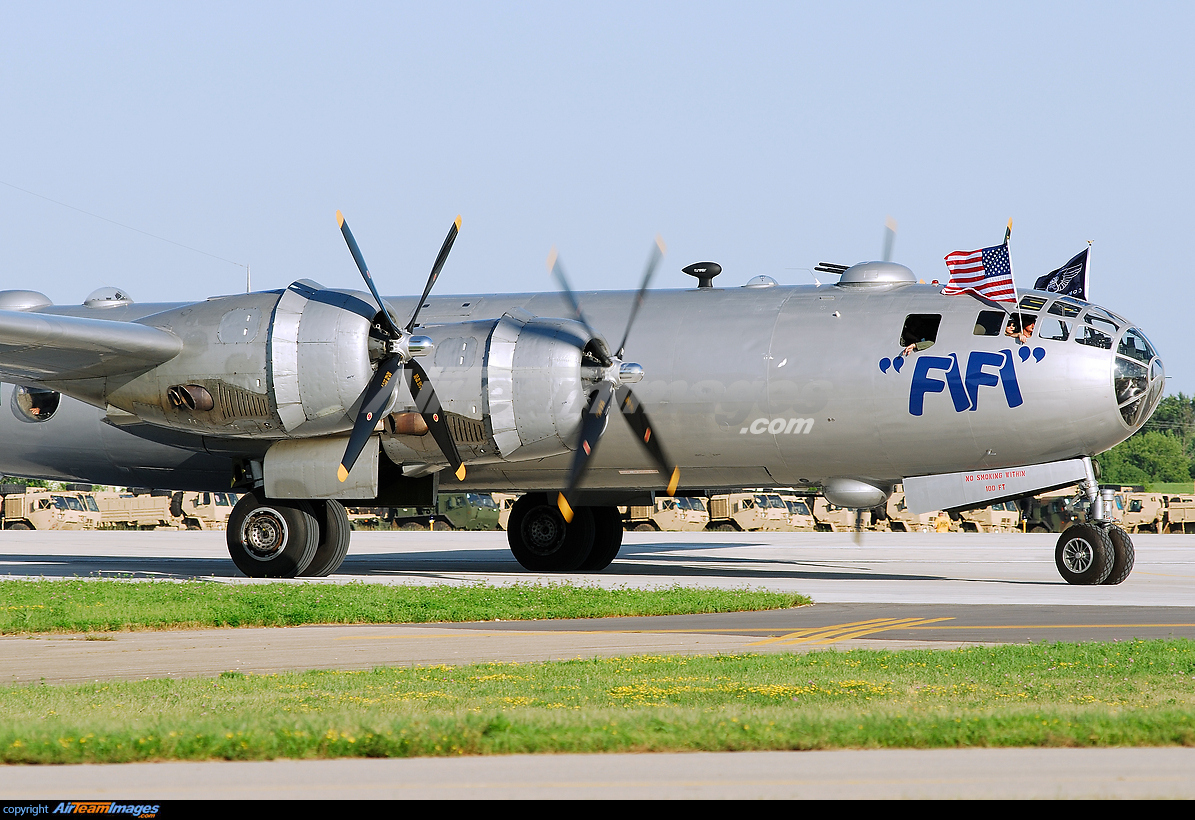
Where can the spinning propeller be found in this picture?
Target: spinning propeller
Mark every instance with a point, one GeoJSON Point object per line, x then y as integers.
{"type": "Point", "coordinates": [401, 347]}
{"type": "Point", "coordinates": [612, 387]}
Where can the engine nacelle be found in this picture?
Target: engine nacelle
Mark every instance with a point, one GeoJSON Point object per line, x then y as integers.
{"type": "Point", "coordinates": [512, 389]}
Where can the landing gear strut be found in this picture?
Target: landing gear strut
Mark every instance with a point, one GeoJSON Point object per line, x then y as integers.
{"type": "Point", "coordinates": [287, 538]}
{"type": "Point", "coordinates": [1099, 552]}
{"type": "Point", "coordinates": [542, 542]}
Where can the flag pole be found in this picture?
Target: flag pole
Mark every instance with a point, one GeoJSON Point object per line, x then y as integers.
{"type": "Point", "coordinates": [1087, 274]}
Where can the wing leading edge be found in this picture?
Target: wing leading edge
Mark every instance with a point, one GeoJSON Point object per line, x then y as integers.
{"type": "Point", "coordinates": [37, 347]}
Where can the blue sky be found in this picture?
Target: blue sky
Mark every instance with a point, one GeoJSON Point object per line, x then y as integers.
{"type": "Point", "coordinates": [767, 137]}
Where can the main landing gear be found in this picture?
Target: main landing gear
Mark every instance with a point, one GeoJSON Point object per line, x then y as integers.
{"type": "Point", "coordinates": [286, 538]}
{"type": "Point", "coordinates": [1099, 552]}
{"type": "Point", "coordinates": [542, 542]}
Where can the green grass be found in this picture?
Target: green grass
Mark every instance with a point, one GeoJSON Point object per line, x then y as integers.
{"type": "Point", "coordinates": [1139, 693]}
{"type": "Point", "coordinates": [110, 605]}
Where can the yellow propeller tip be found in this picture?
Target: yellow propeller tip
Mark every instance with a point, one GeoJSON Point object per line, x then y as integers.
{"type": "Point", "coordinates": [339, 218]}
{"type": "Point", "coordinates": [674, 481]}
{"type": "Point", "coordinates": [552, 258]}
{"type": "Point", "coordinates": [342, 474]}
{"type": "Point", "coordinates": [660, 244]}
{"type": "Point", "coordinates": [458, 222]}
{"type": "Point", "coordinates": [565, 509]}
{"type": "Point", "coordinates": [460, 473]}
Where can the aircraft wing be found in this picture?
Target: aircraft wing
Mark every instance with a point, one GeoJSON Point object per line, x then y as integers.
{"type": "Point", "coordinates": [38, 347]}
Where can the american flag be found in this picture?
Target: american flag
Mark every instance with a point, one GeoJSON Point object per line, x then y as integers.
{"type": "Point", "coordinates": [986, 272]}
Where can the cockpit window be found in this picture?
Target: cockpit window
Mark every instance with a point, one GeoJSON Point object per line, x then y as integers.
{"type": "Point", "coordinates": [1056, 329]}
{"type": "Point", "coordinates": [1034, 303]}
{"type": "Point", "coordinates": [1065, 309]}
{"type": "Point", "coordinates": [920, 331]}
{"type": "Point", "coordinates": [1099, 321]}
{"type": "Point", "coordinates": [1093, 338]}
{"type": "Point", "coordinates": [1017, 326]}
{"type": "Point", "coordinates": [1135, 346]}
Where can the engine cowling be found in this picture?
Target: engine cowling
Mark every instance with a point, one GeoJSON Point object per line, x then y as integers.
{"type": "Point", "coordinates": [513, 389]}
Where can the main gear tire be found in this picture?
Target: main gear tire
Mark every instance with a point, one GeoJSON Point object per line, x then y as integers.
{"type": "Point", "coordinates": [542, 541]}
{"type": "Point", "coordinates": [272, 538]}
{"type": "Point", "coordinates": [1123, 556]}
{"type": "Point", "coordinates": [1084, 555]}
{"type": "Point", "coordinates": [334, 534]}
{"type": "Point", "coordinates": [607, 539]}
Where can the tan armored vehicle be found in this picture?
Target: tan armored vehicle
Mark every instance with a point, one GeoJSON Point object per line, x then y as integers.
{"type": "Point", "coordinates": [748, 512]}
{"type": "Point", "coordinates": [1180, 513]}
{"type": "Point", "coordinates": [138, 511]}
{"type": "Point", "coordinates": [680, 514]}
{"type": "Point", "coordinates": [899, 518]}
{"type": "Point", "coordinates": [1144, 512]}
{"type": "Point", "coordinates": [504, 501]}
{"type": "Point", "coordinates": [800, 515]}
{"type": "Point", "coordinates": [1002, 517]}
{"type": "Point", "coordinates": [36, 508]}
{"type": "Point", "coordinates": [205, 511]}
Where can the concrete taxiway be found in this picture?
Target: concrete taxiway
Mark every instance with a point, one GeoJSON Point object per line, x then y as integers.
{"type": "Point", "coordinates": [886, 590]}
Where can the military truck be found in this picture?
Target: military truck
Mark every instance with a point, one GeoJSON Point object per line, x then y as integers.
{"type": "Point", "coordinates": [679, 514]}
{"type": "Point", "coordinates": [204, 511]}
{"type": "Point", "coordinates": [505, 502]}
{"type": "Point", "coordinates": [1004, 516]}
{"type": "Point", "coordinates": [138, 510]}
{"type": "Point", "coordinates": [899, 519]}
{"type": "Point", "coordinates": [1180, 513]}
{"type": "Point", "coordinates": [832, 518]}
{"type": "Point", "coordinates": [748, 512]}
{"type": "Point", "coordinates": [1144, 512]}
{"type": "Point", "coordinates": [800, 515]}
{"type": "Point", "coordinates": [36, 508]}
{"type": "Point", "coordinates": [453, 511]}
{"type": "Point", "coordinates": [1053, 511]}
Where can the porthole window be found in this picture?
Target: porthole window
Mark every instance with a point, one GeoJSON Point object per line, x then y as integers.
{"type": "Point", "coordinates": [34, 404]}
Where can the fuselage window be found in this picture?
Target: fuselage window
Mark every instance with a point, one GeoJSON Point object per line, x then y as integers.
{"type": "Point", "coordinates": [990, 322]}
{"type": "Point", "coordinates": [920, 331]}
{"type": "Point", "coordinates": [1055, 329]}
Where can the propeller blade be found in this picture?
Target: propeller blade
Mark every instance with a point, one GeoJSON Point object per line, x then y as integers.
{"type": "Point", "coordinates": [428, 405]}
{"type": "Point", "coordinates": [441, 258]}
{"type": "Point", "coordinates": [374, 400]}
{"type": "Point", "coordinates": [360, 260]}
{"type": "Point", "coordinates": [558, 271]}
{"type": "Point", "coordinates": [593, 424]}
{"type": "Point", "coordinates": [653, 261]}
{"type": "Point", "coordinates": [635, 415]}
{"type": "Point", "coordinates": [889, 238]}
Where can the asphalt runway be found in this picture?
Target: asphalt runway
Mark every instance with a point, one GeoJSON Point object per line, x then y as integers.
{"type": "Point", "coordinates": [888, 590]}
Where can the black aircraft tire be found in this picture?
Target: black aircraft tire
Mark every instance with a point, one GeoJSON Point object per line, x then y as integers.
{"type": "Point", "coordinates": [334, 533]}
{"type": "Point", "coordinates": [1123, 556]}
{"type": "Point", "coordinates": [1084, 555]}
{"type": "Point", "coordinates": [541, 540]}
{"type": "Point", "coordinates": [272, 538]}
{"type": "Point", "coordinates": [607, 539]}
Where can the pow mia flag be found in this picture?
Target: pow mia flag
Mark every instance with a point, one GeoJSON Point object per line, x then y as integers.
{"type": "Point", "coordinates": [1069, 280]}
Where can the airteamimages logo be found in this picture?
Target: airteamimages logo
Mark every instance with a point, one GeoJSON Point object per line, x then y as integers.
{"type": "Point", "coordinates": [778, 426]}
{"type": "Point", "coordinates": [107, 807]}
{"type": "Point", "coordinates": [964, 383]}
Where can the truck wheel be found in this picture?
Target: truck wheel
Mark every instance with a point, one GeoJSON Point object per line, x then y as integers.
{"type": "Point", "coordinates": [334, 533]}
{"type": "Point", "coordinates": [18, 525]}
{"type": "Point", "coordinates": [272, 538]}
{"type": "Point", "coordinates": [1122, 556]}
{"type": "Point", "coordinates": [607, 539]}
{"type": "Point", "coordinates": [1084, 554]}
{"type": "Point", "coordinates": [644, 528]}
{"type": "Point", "coordinates": [726, 528]}
{"type": "Point", "coordinates": [412, 526]}
{"type": "Point", "coordinates": [541, 540]}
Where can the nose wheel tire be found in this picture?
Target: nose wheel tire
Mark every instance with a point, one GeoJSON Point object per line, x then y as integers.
{"type": "Point", "coordinates": [1084, 555]}
{"type": "Point", "coordinates": [1123, 556]}
{"type": "Point", "coordinates": [270, 538]}
{"type": "Point", "coordinates": [541, 540]}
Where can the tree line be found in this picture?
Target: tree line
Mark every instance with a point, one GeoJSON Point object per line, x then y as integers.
{"type": "Point", "coordinates": [1161, 451]}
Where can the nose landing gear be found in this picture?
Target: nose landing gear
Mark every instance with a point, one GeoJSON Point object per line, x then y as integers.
{"type": "Point", "coordinates": [1099, 552]}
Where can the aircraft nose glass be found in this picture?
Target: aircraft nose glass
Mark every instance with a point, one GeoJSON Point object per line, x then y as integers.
{"type": "Point", "coordinates": [1138, 378]}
